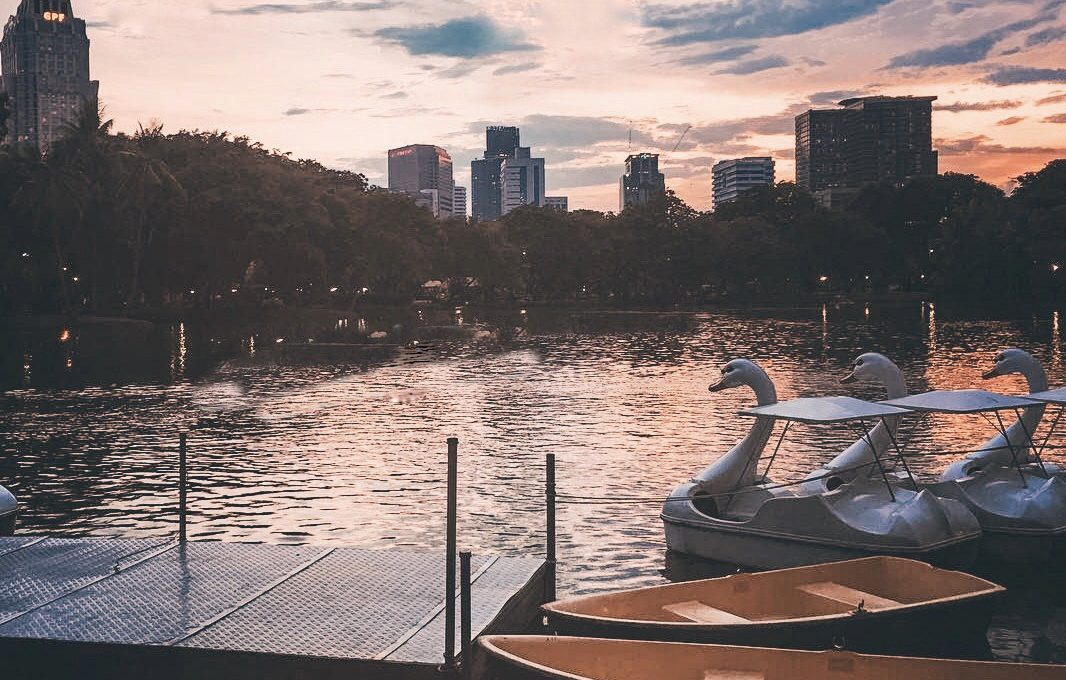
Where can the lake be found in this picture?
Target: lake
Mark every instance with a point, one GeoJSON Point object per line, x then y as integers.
{"type": "Point", "coordinates": [287, 448]}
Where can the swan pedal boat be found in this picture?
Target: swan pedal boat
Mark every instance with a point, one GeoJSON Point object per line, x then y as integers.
{"type": "Point", "coordinates": [542, 658]}
{"type": "Point", "coordinates": [9, 509]}
{"type": "Point", "coordinates": [1019, 500]}
{"type": "Point", "coordinates": [877, 604]}
{"type": "Point", "coordinates": [731, 514]}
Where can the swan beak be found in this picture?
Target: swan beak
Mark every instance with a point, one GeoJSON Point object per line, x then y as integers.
{"type": "Point", "coordinates": [848, 379]}
{"type": "Point", "coordinates": [988, 375]}
{"type": "Point", "coordinates": [718, 386]}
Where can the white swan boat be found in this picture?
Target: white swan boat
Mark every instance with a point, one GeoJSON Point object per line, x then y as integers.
{"type": "Point", "coordinates": [1019, 500]}
{"type": "Point", "coordinates": [732, 514]}
{"type": "Point", "coordinates": [9, 509]}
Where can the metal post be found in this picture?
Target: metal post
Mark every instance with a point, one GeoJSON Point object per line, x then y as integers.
{"type": "Point", "coordinates": [464, 597]}
{"type": "Point", "coordinates": [550, 586]}
{"type": "Point", "coordinates": [449, 573]}
{"type": "Point", "coordinates": [183, 484]}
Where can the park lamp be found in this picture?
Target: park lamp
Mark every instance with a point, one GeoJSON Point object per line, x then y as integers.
{"type": "Point", "coordinates": [1055, 267]}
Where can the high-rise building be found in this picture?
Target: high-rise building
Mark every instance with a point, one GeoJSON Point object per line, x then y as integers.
{"type": "Point", "coordinates": [642, 181]}
{"type": "Point", "coordinates": [423, 169]}
{"type": "Point", "coordinates": [890, 139]}
{"type": "Point", "coordinates": [501, 141]}
{"type": "Point", "coordinates": [459, 202]}
{"type": "Point", "coordinates": [521, 181]}
{"type": "Point", "coordinates": [486, 185]}
{"type": "Point", "coordinates": [44, 56]}
{"type": "Point", "coordinates": [730, 178]}
{"type": "Point", "coordinates": [560, 203]}
{"type": "Point", "coordinates": [868, 140]}
{"type": "Point", "coordinates": [821, 150]}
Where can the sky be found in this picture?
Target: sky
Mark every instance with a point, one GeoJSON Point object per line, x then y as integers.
{"type": "Point", "coordinates": [588, 82]}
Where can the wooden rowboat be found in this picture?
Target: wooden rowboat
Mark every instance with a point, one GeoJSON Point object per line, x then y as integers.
{"type": "Point", "coordinates": [876, 604]}
{"type": "Point", "coordinates": [540, 658]}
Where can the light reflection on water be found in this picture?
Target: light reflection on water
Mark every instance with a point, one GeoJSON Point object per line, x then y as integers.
{"type": "Point", "coordinates": [355, 455]}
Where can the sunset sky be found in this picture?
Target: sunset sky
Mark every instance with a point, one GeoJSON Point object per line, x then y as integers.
{"type": "Point", "coordinates": [342, 82]}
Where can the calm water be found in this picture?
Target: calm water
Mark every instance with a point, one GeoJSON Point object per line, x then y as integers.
{"type": "Point", "coordinates": [333, 452]}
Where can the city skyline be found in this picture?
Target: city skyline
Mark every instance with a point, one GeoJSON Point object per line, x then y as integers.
{"type": "Point", "coordinates": [737, 72]}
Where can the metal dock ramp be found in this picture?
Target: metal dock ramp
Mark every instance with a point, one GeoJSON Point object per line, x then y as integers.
{"type": "Point", "coordinates": [120, 608]}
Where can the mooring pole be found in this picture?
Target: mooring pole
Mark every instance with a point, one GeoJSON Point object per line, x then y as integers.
{"type": "Point", "coordinates": [464, 597]}
{"type": "Point", "coordinates": [449, 573]}
{"type": "Point", "coordinates": [549, 588]}
{"type": "Point", "coordinates": [183, 483]}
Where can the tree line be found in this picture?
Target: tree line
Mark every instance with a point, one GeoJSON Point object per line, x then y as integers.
{"type": "Point", "coordinates": [116, 223]}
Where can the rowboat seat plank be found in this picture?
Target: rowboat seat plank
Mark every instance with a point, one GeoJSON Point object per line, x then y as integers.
{"type": "Point", "coordinates": [698, 612]}
{"type": "Point", "coordinates": [849, 596]}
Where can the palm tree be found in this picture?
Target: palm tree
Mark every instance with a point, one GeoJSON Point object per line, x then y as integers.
{"type": "Point", "coordinates": [53, 199]}
{"type": "Point", "coordinates": [146, 186]}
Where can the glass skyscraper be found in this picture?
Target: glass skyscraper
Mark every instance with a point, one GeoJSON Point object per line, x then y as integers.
{"type": "Point", "coordinates": [44, 56]}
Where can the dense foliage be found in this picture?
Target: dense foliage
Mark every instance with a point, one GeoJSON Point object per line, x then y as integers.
{"type": "Point", "coordinates": [118, 223]}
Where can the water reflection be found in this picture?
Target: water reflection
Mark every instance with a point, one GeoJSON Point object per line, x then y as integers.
{"type": "Point", "coordinates": [351, 452]}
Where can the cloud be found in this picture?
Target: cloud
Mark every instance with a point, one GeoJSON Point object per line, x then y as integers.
{"type": "Point", "coordinates": [308, 8]}
{"type": "Point", "coordinates": [726, 54]}
{"type": "Point", "coordinates": [1057, 118]}
{"type": "Point", "coordinates": [516, 68]}
{"type": "Point", "coordinates": [1013, 120]}
{"type": "Point", "coordinates": [1020, 75]}
{"type": "Point", "coordinates": [1046, 36]}
{"type": "Point", "coordinates": [395, 95]}
{"type": "Point", "coordinates": [967, 52]}
{"type": "Point", "coordinates": [303, 111]}
{"type": "Point", "coordinates": [748, 19]}
{"type": "Point", "coordinates": [749, 66]}
{"type": "Point", "coordinates": [958, 107]}
{"type": "Point", "coordinates": [1054, 99]}
{"type": "Point", "coordinates": [832, 96]}
{"type": "Point", "coordinates": [567, 131]}
{"type": "Point", "coordinates": [471, 37]}
{"type": "Point", "coordinates": [980, 144]}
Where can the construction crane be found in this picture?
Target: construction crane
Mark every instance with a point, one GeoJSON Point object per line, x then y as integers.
{"type": "Point", "coordinates": [683, 135]}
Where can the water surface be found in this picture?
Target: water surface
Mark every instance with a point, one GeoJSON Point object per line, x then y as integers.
{"type": "Point", "coordinates": [352, 452]}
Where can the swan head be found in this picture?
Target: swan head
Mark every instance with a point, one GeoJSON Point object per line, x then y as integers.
{"type": "Point", "coordinates": [872, 367]}
{"type": "Point", "coordinates": [739, 372]}
{"type": "Point", "coordinates": [1010, 361]}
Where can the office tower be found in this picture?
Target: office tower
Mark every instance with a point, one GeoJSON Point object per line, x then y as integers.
{"type": "Point", "coordinates": [486, 185]}
{"type": "Point", "coordinates": [501, 141]}
{"type": "Point", "coordinates": [521, 181]}
{"type": "Point", "coordinates": [730, 178]}
{"type": "Point", "coordinates": [44, 56]}
{"type": "Point", "coordinates": [890, 139]}
{"type": "Point", "coordinates": [426, 170]}
{"type": "Point", "coordinates": [869, 140]}
{"type": "Point", "coordinates": [642, 181]}
{"type": "Point", "coordinates": [560, 203]}
{"type": "Point", "coordinates": [459, 202]}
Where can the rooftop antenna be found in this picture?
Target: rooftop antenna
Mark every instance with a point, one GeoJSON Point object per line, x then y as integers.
{"type": "Point", "coordinates": [630, 135]}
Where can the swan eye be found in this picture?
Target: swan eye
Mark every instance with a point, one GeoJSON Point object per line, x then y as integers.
{"type": "Point", "coordinates": [728, 369]}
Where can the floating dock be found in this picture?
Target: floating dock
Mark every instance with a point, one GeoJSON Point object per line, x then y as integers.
{"type": "Point", "coordinates": [119, 608]}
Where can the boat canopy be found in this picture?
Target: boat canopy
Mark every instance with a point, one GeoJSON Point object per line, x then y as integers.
{"type": "Point", "coordinates": [824, 410]}
{"type": "Point", "coordinates": [1050, 397]}
{"type": "Point", "coordinates": [960, 402]}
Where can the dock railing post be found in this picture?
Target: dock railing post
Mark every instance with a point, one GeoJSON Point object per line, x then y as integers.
{"type": "Point", "coordinates": [465, 618]}
{"type": "Point", "coordinates": [183, 483]}
{"type": "Point", "coordinates": [550, 586]}
{"type": "Point", "coordinates": [449, 573]}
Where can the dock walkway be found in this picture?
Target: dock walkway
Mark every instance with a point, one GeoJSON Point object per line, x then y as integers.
{"type": "Point", "coordinates": [121, 608]}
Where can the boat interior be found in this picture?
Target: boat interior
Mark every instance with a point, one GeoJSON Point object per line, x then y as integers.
{"type": "Point", "coordinates": [622, 660]}
{"type": "Point", "coordinates": [873, 584]}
